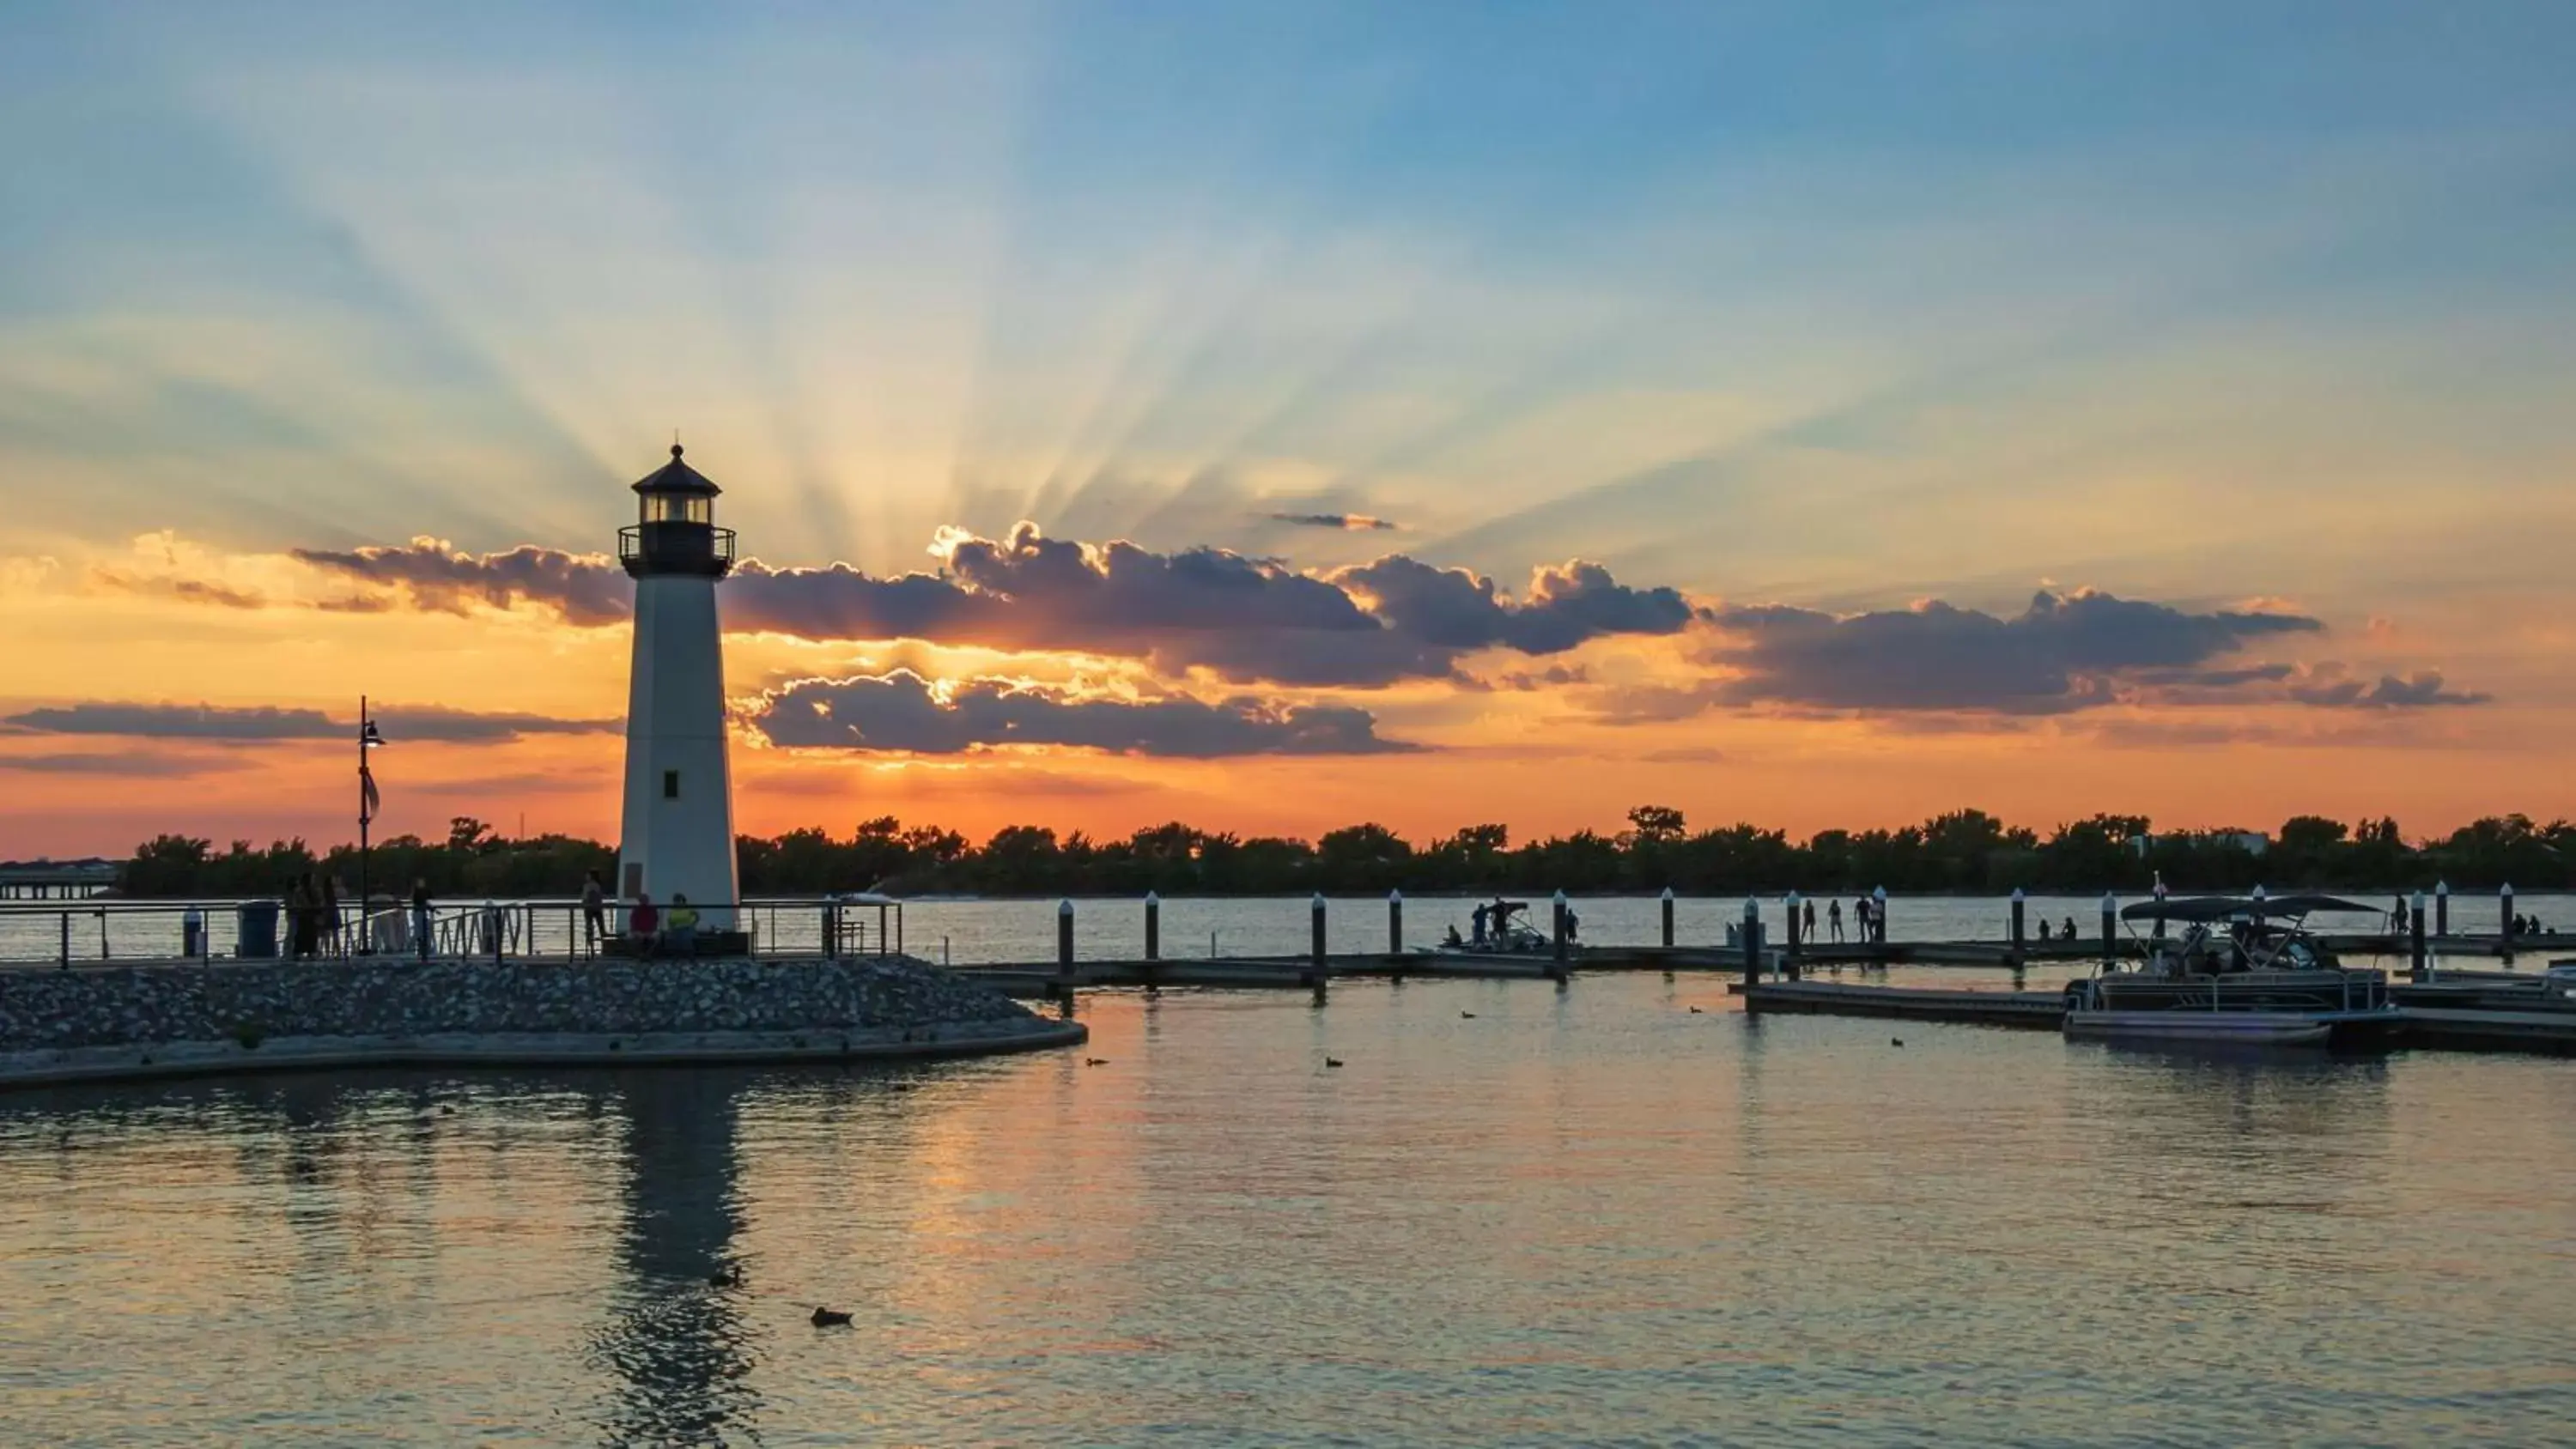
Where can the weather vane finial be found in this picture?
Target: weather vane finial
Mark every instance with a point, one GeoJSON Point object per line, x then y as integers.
{"type": "Point", "coordinates": [675, 442]}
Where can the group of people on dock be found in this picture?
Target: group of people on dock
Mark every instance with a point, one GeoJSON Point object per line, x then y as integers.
{"type": "Point", "coordinates": [650, 930]}
{"type": "Point", "coordinates": [1492, 924]}
{"type": "Point", "coordinates": [1869, 917]}
{"type": "Point", "coordinates": [313, 916]}
{"type": "Point", "coordinates": [315, 925]}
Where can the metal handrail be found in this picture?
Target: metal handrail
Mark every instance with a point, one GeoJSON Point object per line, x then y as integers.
{"type": "Point", "coordinates": [195, 929]}
{"type": "Point", "coordinates": [632, 547]}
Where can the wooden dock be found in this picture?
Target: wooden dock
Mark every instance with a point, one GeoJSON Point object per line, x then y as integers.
{"type": "Point", "coordinates": [1046, 980]}
{"type": "Point", "coordinates": [2542, 1032]}
{"type": "Point", "coordinates": [2028, 1010]}
{"type": "Point", "coordinates": [2004, 954]}
{"type": "Point", "coordinates": [2483, 1016]}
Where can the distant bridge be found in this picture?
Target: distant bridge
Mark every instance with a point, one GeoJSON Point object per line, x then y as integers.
{"type": "Point", "coordinates": [41, 880]}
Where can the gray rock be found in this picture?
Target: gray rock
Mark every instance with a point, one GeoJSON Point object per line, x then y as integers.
{"type": "Point", "coordinates": [195, 1002]}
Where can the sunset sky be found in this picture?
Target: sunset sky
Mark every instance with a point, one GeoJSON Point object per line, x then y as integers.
{"type": "Point", "coordinates": [1273, 416]}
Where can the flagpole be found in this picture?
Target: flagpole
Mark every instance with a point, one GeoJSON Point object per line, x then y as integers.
{"type": "Point", "coordinates": [366, 926]}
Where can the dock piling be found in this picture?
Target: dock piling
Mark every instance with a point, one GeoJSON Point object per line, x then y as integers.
{"type": "Point", "coordinates": [1153, 942]}
{"type": "Point", "coordinates": [2415, 941]}
{"type": "Point", "coordinates": [1668, 918]}
{"type": "Point", "coordinates": [1557, 942]}
{"type": "Point", "coordinates": [2020, 924]}
{"type": "Point", "coordinates": [1316, 966]}
{"type": "Point", "coordinates": [1395, 923]}
{"type": "Point", "coordinates": [1878, 915]}
{"type": "Point", "coordinates": [1797, 939]}
{"type": "Point", "coordinates": [2504, 915]}
{"type": "Point", "coordinates": [2110, 928]}
{"type": "Point", "coordinates": [1064, 947]}
{"type": "Point", "coordinates": [2441, 908]}
{"type": "Point", "coordinates": [1751, 935]}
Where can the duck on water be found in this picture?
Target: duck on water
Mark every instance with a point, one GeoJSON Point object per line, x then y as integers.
{"type": "Point", "coordinates": [2246, 970]}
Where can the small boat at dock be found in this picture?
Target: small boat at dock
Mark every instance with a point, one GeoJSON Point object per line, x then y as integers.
{"type": "Point", "coordinates": [2241, 1028]}
{"type": "Point", "coordinates": [1498, 932]}
{"type": "Point", "coordinates": [2245, 971]}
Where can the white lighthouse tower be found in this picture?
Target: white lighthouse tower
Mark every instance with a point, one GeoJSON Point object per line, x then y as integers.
{"type": "Point", "coordinates": [678, 836]}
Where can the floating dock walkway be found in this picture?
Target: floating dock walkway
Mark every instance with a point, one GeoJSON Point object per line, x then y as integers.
{"type": "Point", "coordinates": [2033, 1010]}
{"type": "Point", "coordinates": [2509, 1019]}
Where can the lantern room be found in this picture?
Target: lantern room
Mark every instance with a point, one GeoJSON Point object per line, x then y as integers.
{"type": "Point", "coordinates": [674, 530]}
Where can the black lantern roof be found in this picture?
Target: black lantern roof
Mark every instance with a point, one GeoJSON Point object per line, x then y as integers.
{"type": "Point", "coordinates": [677, 479]}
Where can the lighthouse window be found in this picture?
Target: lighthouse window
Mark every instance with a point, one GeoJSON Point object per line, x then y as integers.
{"type": "Point", "coordinates": [659, 509]}
{"type": "Point", "coordinates": [670, 784]}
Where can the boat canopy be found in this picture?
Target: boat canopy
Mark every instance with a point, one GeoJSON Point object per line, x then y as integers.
{"type": "Point", "coordinates": [2227, 908]}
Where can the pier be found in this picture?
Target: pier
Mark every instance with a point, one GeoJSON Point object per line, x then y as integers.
{"type": "Point", "coordinates": [2473, 1008]}
{"type": "Point", "coordinates": [48, 880]}
{"type": "Point", "coordinates": [2030, 1010]}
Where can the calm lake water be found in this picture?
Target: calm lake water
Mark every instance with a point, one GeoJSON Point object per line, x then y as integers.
{"type": "Point", "coordinates": [1582, 1215]}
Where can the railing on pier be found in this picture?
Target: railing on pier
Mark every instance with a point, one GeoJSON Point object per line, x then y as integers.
{"type": "Point", "coordinates": [93, 932]}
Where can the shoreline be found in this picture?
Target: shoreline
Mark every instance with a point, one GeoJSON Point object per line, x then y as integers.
{"type": "Point", "coordinates": [200, 1018]}
{"type": "Point", "coordinates": [162, 1060]}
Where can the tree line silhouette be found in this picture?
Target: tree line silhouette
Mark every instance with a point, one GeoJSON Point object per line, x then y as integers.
{"type": "Point", "coordinates": [1958, 851]}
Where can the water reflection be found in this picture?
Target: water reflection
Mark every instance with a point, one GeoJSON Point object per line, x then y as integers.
{"type": "Point", "coordinates": [2218, 1104]}
{"type": "Point", "coordinates": [1517, 1215]}
{"type": "Point", "coordinates": [678, 1346]}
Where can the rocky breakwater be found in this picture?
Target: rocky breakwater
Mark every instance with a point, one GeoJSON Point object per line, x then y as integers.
{"type": "Point", "coordinates": [172, 1019]}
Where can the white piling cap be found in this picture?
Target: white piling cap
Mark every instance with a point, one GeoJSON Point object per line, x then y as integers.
{"type": "Point", "coordinates": [1152, 899]}
{"type": "Point", "coordinates": [2017, 895]}
{"type": "Point", "coordinates": [2441, 888]}
{"type": "Point", "coordinates": [1319, 900]}
{"type": "Point", "coordinates": [1395, 898]}
{"type": "Point", "coordinates": [2506, 890]}
{"type": "Point", "coordinates": [2419, 900]}
{"type": "Point", "coordinates": [1668, 893]}
{"type": "Point", "coordinates": [2110, 902]}
{"type": "Point", "coordinates": [1879, 894]}
{"type": "Point", "coordinates": [1794, 898]}
{"type": "Point", "coordinates": [1560, 898]}
{"type": "Point", "coordinates": [2258, 893]}
{"type": "Point", "coordinates": [1752, 908]}
{"type": "Point", "coordinates": [1064, 908]}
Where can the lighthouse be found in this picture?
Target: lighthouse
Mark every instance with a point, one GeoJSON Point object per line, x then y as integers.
{"type": "Point", "coordinates": [678, 835]}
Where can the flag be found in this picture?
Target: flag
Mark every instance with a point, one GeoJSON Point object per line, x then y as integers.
{"type": "Point", "coordinates": [369, 802]}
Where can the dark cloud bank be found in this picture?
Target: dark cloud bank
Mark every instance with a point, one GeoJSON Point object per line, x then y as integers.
{"type": "Point", "coordinates": [1242, 618]}
{"type": "Point", "coordinates": [2064, 652]}
{"type": "Point", "coordinates": [1396, 619]}
{"type": "Point", "coordinates": [585, 588]}
{"type": "Point", "coordinates": [901, 711]}
{"type": "Point", "coordinates": [431, 723]}
{"type": "Point", "coordinates": [1348, 522]}
{"type": "Point", "coordinates": [122, 764]}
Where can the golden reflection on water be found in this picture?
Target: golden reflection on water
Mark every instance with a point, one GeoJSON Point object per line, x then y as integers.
{"type": "Point", "coordinates": [1582, 1214]}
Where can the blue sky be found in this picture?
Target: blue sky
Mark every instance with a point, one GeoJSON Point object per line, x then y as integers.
{"type": "Point", "coordinates": [1388, 243]}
